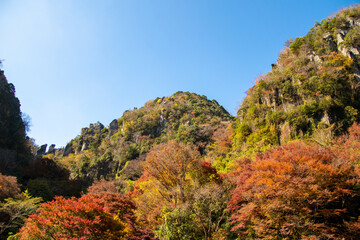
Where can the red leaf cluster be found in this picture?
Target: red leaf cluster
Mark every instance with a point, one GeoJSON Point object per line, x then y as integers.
{"type": "Point", "coordinates": [105, 216]}
{"type": "Point", "coordinates": [8, 187]}
{"type": "Point", "coordinates": [296, 191]}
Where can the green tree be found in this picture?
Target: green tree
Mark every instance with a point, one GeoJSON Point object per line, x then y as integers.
{"type": "Point", "coordinates": [13, 212]}
{"type": "Point", "coordinates": [179, 224]}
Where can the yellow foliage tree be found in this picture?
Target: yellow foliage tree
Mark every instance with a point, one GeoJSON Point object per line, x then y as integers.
{"type": "Point", "coordinates": [170, 164]}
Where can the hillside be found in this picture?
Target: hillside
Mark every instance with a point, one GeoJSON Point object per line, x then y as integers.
{"type": "Point", "coordinates": [117, 150]}
{"type": "Point", "coordinates": [312, 92]}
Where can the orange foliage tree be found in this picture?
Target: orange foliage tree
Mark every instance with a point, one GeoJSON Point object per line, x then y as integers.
{"type": "Point", "coordinates": [103, 186]}
{"type": "Point", "coordinates": [222, 139]}
{"type": "Point", "coordinates": [296, 191]}
{"type": "Point", "coordinates": [170, 165]}
{"type": "Point", "coordinates": [180, 196]}
{"type": "Point", "coordinates": [149, 202]}
{"type": "Point", "coordinates": [166, 181]}
{"type": "Point", "coordinates": [348, 146]}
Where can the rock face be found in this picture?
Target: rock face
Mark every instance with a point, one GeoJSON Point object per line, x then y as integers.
{"type": "Point", "coordinates": [85, 146]}
{"type": "Point", "coordinates": [42, 150]}
{"type": "Point", "coordinates": [89, 137]}
{"type": "Point", "coordinates": [113, 127]}
{"type": "Point", "coordinates": [343, 40]}
{"type": "Point", "coordinates": [97, 126]}
{"type": "Point", "coordinates": [67, 150]}
{"type": "Point", "coordinates": [346, 49]}
{"type": "Point", "coordinates": [162, 124]}
{"type": "Point", "coordinates": [12, 127]}
{"type": "Point", "coordinates": [51, 149]}
{"type": "Point", "coordinates": [84, 131]}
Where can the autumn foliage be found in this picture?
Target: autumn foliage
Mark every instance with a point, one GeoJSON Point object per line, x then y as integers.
{"type": "Point", "coordinates": [8, 187]}
{"type": "Point", "coordinates": [296, 191]}
{"type": "Point", "coordinates": [102, 186]}
{"type": "Point", "coordinates": [170, 165]}
{"type": "Point", "coordinates": [105, 216]}
{"type": "Point", "coordinates": [348, 146]}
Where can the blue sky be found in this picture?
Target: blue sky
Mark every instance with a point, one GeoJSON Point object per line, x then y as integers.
{"type": "Point", "coordinates": [78, 62]}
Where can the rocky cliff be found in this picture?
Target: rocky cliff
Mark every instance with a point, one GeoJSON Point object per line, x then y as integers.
{"type": "Point", "coordinates": [312, 91]}
{"type": "Point", "coordinates": [13, 147]}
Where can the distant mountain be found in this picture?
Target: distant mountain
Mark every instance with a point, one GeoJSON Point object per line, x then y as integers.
{"type": "Point", "coordinates": [312, 92]}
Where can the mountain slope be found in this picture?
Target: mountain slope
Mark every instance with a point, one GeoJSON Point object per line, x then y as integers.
{"type": "Point", "coordinates": [119, 149]}
{"type": "Point", "coordinates": [312, 91]}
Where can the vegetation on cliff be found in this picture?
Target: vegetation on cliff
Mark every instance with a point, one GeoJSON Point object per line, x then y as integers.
{"type": "Point", "coordinates": [312, 91]}
{"type": "Point", "coordinates": [117, 151]}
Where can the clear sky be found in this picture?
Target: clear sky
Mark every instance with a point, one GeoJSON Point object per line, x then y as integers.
{"type": "Point", "coordinates": [78, 62]}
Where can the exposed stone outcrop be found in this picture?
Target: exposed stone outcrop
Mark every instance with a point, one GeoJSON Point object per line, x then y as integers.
{"type": "Point", "coordinates": [326, 119]}
{"type": "Point", "coordinates": [85, 146]}
{"type": "Point", "coordinates": [336, 42]}
{"type": "Point", "coordinates": [97, 126]}
{"type": "Point", "coordinates": [42, 150]}
{"type": "Point", "coordinates": [84, 131]}
{"type": "Point", "coordinates": [51, 149]}
{"type": "Point", "coordinates": [67, 150]}
{"type": "Point", "coordinates": [113, 127]}
{"type": "Point", "coordinates": [348, 51]}
{"type": "Point", "coordinates": [162, 124]}
{"type": "Point", "coordinates": [314, 57]}
{"type": "Point", "coordinates": [88, 135]}
{"type": "Point", "coordinates": [330, 40]}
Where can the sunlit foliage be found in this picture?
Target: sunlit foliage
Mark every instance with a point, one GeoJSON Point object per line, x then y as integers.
{"type": "Point", "coordinates": [13, 212]}
{"type": "Point", "coordinates": [89, 217]}
{"type": "Point", "coordinates": [311, 93]}
{"type": "Point", "coordinates": [296, 191]}
{"type": "Point", "coordinates": [184, 116]}
{"type": "Point", "coordinates": [170, 165]}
